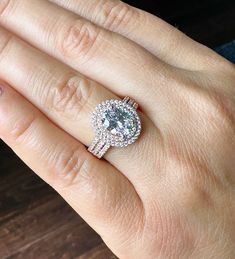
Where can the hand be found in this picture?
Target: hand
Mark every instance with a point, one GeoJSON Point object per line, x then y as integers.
{"type": "Point", "coordinates": [171, 193]}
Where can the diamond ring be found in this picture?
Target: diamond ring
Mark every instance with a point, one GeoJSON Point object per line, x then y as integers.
{"type": "Point", "coordinates": [116, 124]}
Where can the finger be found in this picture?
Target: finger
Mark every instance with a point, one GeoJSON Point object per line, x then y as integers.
{"type": "Point", "coordinates": [116, 62]}
{"type": "Point", "coordinates": [96, 190]}
{"type": "Point", "coordinates": [151, 32]}
{"type": "Point", "coordinates": [68, 99]}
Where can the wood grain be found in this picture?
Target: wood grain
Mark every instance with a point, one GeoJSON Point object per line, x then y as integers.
{"type": "Point", "coordinates": [35, 222]}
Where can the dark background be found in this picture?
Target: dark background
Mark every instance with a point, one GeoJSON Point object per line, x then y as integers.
{"type": "Point", "coordinates": [34, 221]}
{"type": "Point", "coordinates": [211, 22]}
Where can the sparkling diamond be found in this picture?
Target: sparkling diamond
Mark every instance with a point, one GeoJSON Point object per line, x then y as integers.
{"type": "Point", "coordinates": [119, 122]}
{"type": "Point", "coordinates": [116, 122]}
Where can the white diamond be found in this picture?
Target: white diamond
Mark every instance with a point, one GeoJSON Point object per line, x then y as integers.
{"type": "Point", "coordinates": [118, 121]}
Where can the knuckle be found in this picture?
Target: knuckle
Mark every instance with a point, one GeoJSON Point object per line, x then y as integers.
{"type": "Point", "coordinates": [77, 39]}
{"type": "Point", "coordinates": [116, 14]}
{"type": "Point", "coordinates": [5, 45]}
{"type": "Point", "coordinates": [194, 195]}
{"type": "Point", "coordinates": [211, 110]}
{"type": "Point", "coordinates": [22, 128]}
{"type": "Point", "coordinates": [71, 166]}
{"type": "Point", "coordinates": [219, 112]}
{"type": "Point", "coordinates": [195, 177]}
{"type": "Point", "coordinates": [5, 5]}
{"type": "Point", "coordinates": [71, 95]}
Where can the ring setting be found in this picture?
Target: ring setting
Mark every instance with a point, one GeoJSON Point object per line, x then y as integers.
{"type": "Point", "coordinates": [116, 124]}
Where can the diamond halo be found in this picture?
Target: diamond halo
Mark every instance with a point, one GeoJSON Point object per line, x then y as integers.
{"type": "Point", "coordinates": [116, 123]}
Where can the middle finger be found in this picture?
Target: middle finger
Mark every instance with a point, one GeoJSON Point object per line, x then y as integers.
{"type": "Point", "coordinates": [109, 58]}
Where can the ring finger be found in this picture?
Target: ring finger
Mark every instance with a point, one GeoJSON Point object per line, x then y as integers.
{"type": "Point", "coordinates": [68, 98]}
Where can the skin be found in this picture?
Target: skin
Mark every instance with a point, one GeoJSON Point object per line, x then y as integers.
{"type": "Point", "coordinates": [172, 193]}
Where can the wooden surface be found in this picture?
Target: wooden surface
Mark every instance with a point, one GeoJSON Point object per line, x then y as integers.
{"type": "Point", "coordinates": [35, 223]}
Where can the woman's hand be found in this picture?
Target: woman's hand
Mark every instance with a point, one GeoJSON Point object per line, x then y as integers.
{"type": "Point", "coordinates": [172, 193]}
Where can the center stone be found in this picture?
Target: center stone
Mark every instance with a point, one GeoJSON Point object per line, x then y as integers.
{"type": "Point", "coordinates": [118, 122]}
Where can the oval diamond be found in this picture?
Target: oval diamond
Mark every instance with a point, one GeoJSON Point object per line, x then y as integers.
{"type": "Point", "coordinates": [119, 122]}
{"type": "Point", "coordinates": [116, 122]}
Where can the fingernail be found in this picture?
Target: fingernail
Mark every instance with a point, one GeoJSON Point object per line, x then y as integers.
{"type": "Point", "coordinates": [2, 88]}
{"type": "Point", "coordinates": [1, 91]}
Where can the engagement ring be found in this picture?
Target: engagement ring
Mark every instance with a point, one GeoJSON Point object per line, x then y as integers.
{"type": "Point", "coordinates": [116, 123]}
